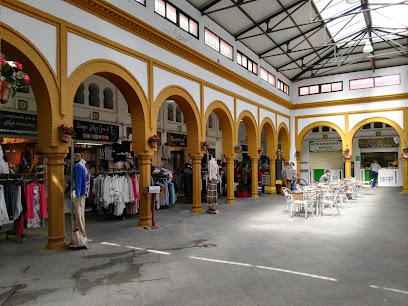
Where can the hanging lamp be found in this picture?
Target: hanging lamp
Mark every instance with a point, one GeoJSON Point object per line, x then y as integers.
{"type": "Point", "coordinates": [368, 48]}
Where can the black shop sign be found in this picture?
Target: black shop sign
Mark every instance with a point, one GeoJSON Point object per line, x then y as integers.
{"type": "Point", "coordinates": [95, 131]}
{"type": "Point", "coordinates": [176, 140]}
{"type": "Point", "coordinates": [12, 123]}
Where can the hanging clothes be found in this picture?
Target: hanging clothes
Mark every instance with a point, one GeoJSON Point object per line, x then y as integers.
{"type": "Point", "coordinates": [32, 191]}
{"type": "Point", "coordinates": [4, 217]}
{"type": "Point", "coordinates": [212, 178]}
{"type": "Point", "coordinates": [37, 219]}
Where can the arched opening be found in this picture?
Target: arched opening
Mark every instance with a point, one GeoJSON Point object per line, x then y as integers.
{"type": "Point", "coordinates": [104, 137]}
{"type": "Point", "coordinates": [267, 158]}
{"type": "Point", "coordinates": [247, 160]}
{"type": "Point", "coordinates": [284, 149]}
{"type": "Point", "coordinates": [378, 139]}
{"type": "Point", "coordinates": [221, 135]}
{"type": "Point", "coordinates": [321, 147]}
{"type": "Point", "coordinates": [180, 151]}
{"type": "Point", "coordinates": [30, 111]}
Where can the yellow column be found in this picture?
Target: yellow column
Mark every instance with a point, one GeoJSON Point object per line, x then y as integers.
{"type": "Point", "coordinates": [254, 167]}
{"type": "Point", "coordinates": [405, 174]}
{"type": "Point", "coordinates": [196, 158]}
{"type": "Point", "coordinates": [347, 170]}
{"type": "Point", "coordinates": [56, 205]}
{"type": "Point", "coordinates": [272, 171]}
{"type": "Point", "coordinates": [230, 179]}
{"type": "Point", "coordinates": [145, 211]}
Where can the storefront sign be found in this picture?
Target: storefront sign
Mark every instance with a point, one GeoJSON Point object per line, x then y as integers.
{"type": "Point", "coordinates": [18, 124]}
{"type": "Point", "coordinates": [95, 131]}
{"type": "Point", "coordinates": [176, 140]}
{"type": "Point", "coordinates": [386, 142]}
{"type": "Point", "coordinates": [325, 145]}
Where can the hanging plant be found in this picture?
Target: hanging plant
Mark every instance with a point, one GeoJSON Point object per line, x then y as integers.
{"type": "Point", "coordinates": [205, 145]}
{"type": "Point", "coordinates": [238, 149]}
{"type": "Point", "coordinates": [66, 133]}
{"type": "Point", "coordinates": [278, 152]}
{"type": "Point", "coordinates": [260, 150]}
{"type": "Point", "coordinates": [11, 76]}
{"type": "Point", "coordinates": [297, 153]}
{"type": "Point", "coordinates": [153, 140]}
{"type": "Point", "coordinates": [405, 148]}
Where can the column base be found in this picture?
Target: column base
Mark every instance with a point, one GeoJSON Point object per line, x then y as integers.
{"type": "Point", "coordinates": [56, 245]}
{"type": "Point", "coordinates": [144, 222]}
{"type": "Point", "coordinates": [230, 201]}
{"type": "Point", "coordinates": [404, 190]}
{"type": "Point", "coordinates": [255, 196]}
{"type": "Point", "coordinates": [197, 210]}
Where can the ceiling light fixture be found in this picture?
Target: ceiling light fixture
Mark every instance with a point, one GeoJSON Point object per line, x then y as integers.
{"type": "Point", "coordinates": [368, 48]}
{"type": "Point", "coordinates": [352, 1]}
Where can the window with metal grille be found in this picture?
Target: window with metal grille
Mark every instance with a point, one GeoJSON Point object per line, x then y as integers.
{"type": "Point", "coordinates": [217, 44]}
{"type": "Point", "coordinates": [245, 62]}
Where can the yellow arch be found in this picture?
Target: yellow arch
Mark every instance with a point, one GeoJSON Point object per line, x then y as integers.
{"type": "Point", "coordinates": [44, 83]}
{"type": "Point", "coordinates": [127, 85]}
{"type": "Point", "coordinates": [270, 133]}
{"type": "Point", "coordinates": [190, 111]}
{"type": "Point", "coordinates": [302, 134]}
{"type": "Point", "coordinates": [227, 125]}
{"type": "Point", "coordinates": [252, 131]}
{"type": "Point", "coordinates": [359, 125]}
{"type": "Point", "coordinates": [283, 132]}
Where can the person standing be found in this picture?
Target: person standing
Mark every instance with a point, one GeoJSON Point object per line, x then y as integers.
{"type": "Point", "coordinates": [374, 168]}
{"type": "Point", "coordinates": [292, 164]}
{"type": "Point", "coordinates": [81, 192]}
{"type": "Point", "coordinates": [288, 175]}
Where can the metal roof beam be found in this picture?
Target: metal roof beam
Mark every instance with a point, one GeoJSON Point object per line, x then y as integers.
{"type": "Point", "coordinates": [266, 19]}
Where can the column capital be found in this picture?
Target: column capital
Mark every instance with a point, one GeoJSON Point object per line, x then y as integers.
{"type": "Point", "coordinates": [230, 157]}
{"type": "Point", "coordinates": [55, 154]}
{"type": "Point", "coordinates": [195, 157]}
{"type": "Point", "coordinates": [254, 158]}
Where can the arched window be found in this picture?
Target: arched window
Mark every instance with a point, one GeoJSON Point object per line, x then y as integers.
{"type": "Point", "coordinates": [170, 112]}
{"type": "Point", "coordinates": [93, 95]}
{"type": "Point", "coordinates": [178, 114]}
{"type": "Point", "coordinates": [210, 122]}
{"type": "Point", "coordinates": [108, 98]}
{"type": "Point", "coordinates": [79, 96]}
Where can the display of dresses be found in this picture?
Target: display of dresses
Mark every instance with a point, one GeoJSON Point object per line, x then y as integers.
{"type": "Point", "coordinates": [4, 167]}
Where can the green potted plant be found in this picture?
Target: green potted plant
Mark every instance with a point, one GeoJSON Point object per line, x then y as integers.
{"type": "Point", "coordinates": [153, 140]}
{"type": "Point", "coordinates": [11, 77]}
{"type": "Point", "coordinates": [66, 133]}
{"type": "Point", "coordinates": [205, 145]}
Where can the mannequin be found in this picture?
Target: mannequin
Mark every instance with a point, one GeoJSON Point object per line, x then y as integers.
{"type": "Point", "coordinates": [119, 150]}
{"type": "Point", "coordinates": [4, 167]}
{"type": "Point", "coordinates": [81, 192]}
{"type": "Point", "coordinates": [213, 173]}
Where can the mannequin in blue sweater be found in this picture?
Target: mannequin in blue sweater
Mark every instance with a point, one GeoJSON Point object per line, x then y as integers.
{"type": "Point", "coordinates": [81, 192]}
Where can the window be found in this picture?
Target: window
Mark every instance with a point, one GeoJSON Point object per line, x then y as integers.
{"type": "Point", "coordinates": [247, 63]}
{"type": "Point", "coordinates": [380, 81]}
{"type": "Point", "coordinates": [217, 44]}
{"type": "Point", "coordinates": [210, 122]}
{"type": "Point", "coordinates": [141, 2]}
{"type": "Point", "coordinates": [367, 126]}
{"type": "Point", "coordinates": [378, 125]}
{"type": "Point", "coordinates": [325, 129]}
{"type": "Point", "coordinates": [177, 16]}
{"type": "Point", "coordinates": [315, 130]}
{"type": "Point", "coordinates": [170, 114]}
{"type": "Point", "coordinates": [93, 95]}
{"type": "Point", "coordinates": [267, 76]}
{"type": "Point", "coordinates": [178, 114]}
{"type": "Point", "coordinates": [283, 87]}
{"type": "Point", "coordinates": [79, 96]}
{"type": "Point", "coordinates": [108, 98]}
{"type": "Point", "coordinates": [320, 88]}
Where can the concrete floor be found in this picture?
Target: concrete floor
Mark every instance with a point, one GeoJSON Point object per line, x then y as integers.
{"type": "Point", "coordinates": [249, 254]}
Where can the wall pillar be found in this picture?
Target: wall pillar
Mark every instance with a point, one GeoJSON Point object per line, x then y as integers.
{"type": "Point", "coordinates": [55, 192]}
{"type": "Point", "coordinates": [254, 170]}
{"type": "Point", "coordinates": [272, 171]}
{"type": "Point", "coordinates": [230, 179]}
{"type": "Point", "coordinates": [347, 167]}
{"type": "Point", "coordinates": [196, 158]}
{"type": "Point", "coordinates": [405, 175]}
{"type": "Point", "coordinates": [145, 210]}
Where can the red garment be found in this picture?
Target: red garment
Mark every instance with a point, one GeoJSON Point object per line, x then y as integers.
{"type": "Point", "coordinates": [29, 193]}
{"type": "Point", "coordinates": [19, 226]}
{"type": "Point", "coordinates": [132, 177]}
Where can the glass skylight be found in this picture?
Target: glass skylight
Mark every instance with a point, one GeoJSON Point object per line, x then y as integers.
{"type": "Point", "coordinates": [388, 17]}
